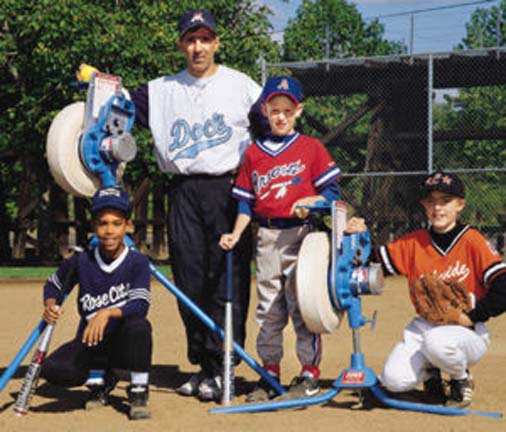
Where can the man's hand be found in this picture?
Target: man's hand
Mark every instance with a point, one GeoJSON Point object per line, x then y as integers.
{"type": "Point", "coordinates": [94, 331]}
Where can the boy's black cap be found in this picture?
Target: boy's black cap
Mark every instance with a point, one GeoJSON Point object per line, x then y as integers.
{"type": "Point", "coordinates": [195, 18]}
{"type": "Point", "coordinates": [444, 182]}
{"type": "Point", "coordinates": [111, 198]}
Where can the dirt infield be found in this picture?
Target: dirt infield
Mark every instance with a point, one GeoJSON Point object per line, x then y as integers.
{"type": "Point", "coordinates": [55, 409]}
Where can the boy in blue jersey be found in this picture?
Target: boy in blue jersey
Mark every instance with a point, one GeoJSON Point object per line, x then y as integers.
{"type": "Point", "coordinates": [113, 301]}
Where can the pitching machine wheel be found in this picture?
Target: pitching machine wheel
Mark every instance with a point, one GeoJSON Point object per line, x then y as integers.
{"type": "Point", "coordinates": [312, 285]}
{"type": "Point", "coordinates": [62, 148]}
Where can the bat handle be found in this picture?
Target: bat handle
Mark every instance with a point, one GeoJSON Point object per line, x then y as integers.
{"type": "Point", "coordinates": [230, 275]}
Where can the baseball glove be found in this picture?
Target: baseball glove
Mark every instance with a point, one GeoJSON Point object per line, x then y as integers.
{"type": "Point", "coordinates": [438, 301]}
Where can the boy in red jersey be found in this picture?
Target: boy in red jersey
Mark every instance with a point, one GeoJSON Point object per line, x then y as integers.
{"type": "Point", "coordinates": [280, 173]}
{"type": "Point", "coordinates": [454, 252]}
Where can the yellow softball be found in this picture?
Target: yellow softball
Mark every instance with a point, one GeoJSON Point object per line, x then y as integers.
{"type": "Point", "coordinates": [85, 71]}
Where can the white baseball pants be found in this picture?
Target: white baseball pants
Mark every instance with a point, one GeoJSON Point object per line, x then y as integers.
{"type": "Point", "coordinates": [451, 348]}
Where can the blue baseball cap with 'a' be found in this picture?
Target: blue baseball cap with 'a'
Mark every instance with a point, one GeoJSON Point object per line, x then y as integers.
{"type": "Point", "coordinates": [444, 182]}
{"type": "Point", "coordinates": [111, 198]}
{"type": "Point", "coordinates": [195, 18]}
{"type": "Point", "coordinates": [282, 85]}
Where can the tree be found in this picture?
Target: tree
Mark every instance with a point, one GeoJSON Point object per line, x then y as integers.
{"type": "Point", "coordinates": [333, 29]}
{"type": "Point", "coordinates": [478, 108]}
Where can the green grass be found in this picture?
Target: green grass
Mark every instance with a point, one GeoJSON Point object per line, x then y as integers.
{"type": "Point", "coordinates": [25, 272]}
{"type": "Point", "coordinates": [45, 272]}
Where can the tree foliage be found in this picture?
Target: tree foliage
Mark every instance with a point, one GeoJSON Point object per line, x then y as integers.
{"type": "Point", "coordinates": [478, 108]}
{"type": "Point", "coordinates": [334, 29]}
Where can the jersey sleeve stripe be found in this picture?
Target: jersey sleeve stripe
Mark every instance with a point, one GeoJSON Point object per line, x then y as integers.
{"type": "Point", "coordinates": [387, 262]}
{"type": "Point", "coordinates": [139, 294]}
{"type": "Point", "coordinates": [55, 280]}
{"type": "Point", "coordinates": [242, 194]}
{"type": "Point", "coordinates": [327, 177]}
{"type": "Point", "coordinates": [492, 271]}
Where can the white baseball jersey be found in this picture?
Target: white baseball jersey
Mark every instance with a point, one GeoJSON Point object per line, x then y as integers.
{"type": "Point", "coordinates": [200, 125]}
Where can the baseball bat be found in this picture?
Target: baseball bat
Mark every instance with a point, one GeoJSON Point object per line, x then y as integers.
{"type": "Point", "coordinates": [31, 379]}
{"type": "Point", "coordinates": [228, 339]}
{"type": "Point", "coordinates": [32, 375]}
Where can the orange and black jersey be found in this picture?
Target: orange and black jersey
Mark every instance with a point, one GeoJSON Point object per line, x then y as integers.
{"type": "Point", "coordinates": [461, 254]}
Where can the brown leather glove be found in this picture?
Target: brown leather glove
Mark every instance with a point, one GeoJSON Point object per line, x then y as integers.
{"type": "Point", "coordinates": [438, 301]}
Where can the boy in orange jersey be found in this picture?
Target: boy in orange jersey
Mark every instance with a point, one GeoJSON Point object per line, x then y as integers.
{"type": "Point", "coordinates": [453, 251]}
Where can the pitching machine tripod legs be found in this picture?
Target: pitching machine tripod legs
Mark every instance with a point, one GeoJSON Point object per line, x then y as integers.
{"type": "Point", "coordinates": [358, 377]}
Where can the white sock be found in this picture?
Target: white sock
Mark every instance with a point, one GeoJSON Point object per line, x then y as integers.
{"type": "Point", "coordinates": [139, 378]}
{"type": "Point", "coordinates": [95, 377]}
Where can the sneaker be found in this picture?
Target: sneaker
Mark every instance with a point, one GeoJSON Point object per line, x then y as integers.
{"type": "Point", "coordinates": [191, 387]}
{"type": "Point", "coordinates": [300, 387]}
{"type": "Point", "coordinates": [262, 392]}
{"type": "Point", "coordinates": [461, 392]}
{"type": "Point", "coordinates": [434, 387]}
{"type": "Point", "coordinates": [138, 399]}
{"type": "Point", "coordinates": [210, 389]}
{"type": "Point", "coordinates": [99, 394]}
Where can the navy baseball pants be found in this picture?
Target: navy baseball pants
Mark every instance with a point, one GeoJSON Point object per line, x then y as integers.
{"type": "Point", "coordinates": [201, 209]}
{"type": "Point", "coordinates": [128, 347]}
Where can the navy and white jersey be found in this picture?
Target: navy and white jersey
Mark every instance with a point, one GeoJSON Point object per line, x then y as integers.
{"type": "Point", "coordinates": [123, 283]}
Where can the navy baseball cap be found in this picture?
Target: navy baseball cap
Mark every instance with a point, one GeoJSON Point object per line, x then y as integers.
{"type": "Point", "coordinates": [282, 85]}
{"type": "Point", "coordinates": [195, 18]}
{"type": "Point", "coordinates": [110, 198]}
{"type": "Point", "coordinates": [444, 182]}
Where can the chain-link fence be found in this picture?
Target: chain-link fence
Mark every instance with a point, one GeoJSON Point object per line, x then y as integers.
{"type": "Point", "coordinates": [388, 121]}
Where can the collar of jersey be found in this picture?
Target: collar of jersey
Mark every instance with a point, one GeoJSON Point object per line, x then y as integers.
{"type": "Point", "coordinates": [286, 142]}
{"type": "Point", "coordinates": [200, 82]}
{"type": "Point", "coordinates": [109, 268]}
{"type": "Point", "coordinates": [455, 234]}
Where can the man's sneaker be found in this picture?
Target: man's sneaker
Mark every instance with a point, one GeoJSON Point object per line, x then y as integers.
{"type": "Point", "coordinates": [191, 387]}
{"type": "Point", "coordinates": [434, 387]}
{"type": "Point", "coordinates": [300, 387]}
{"type": "Point", "coordinates": [262, 392]}
{"type": "Point", "coordinates": [138, 399]}
{"type": "Point", "coordinates": [99, 394]}
{"type": "Point", "coordinates": [461, 393]}
{"type": "Point", "coordinates": [210, 389]}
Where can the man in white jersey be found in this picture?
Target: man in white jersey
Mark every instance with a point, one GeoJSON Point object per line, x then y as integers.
{"type": "Point", "coordinates": [199, 122]}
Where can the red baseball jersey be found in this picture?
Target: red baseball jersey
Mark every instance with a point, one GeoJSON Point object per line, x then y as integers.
{"type": "Point", "coordinates": [469, 259]}
{"type": "Point", "coordinates": [272, 181]}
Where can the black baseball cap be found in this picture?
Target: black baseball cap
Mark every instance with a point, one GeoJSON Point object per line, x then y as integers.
{"type": "Point", "coordinates": [444, 182]}
{"type": "Point", "coordinates": [111, 198]}
{"type": "Point", "coordinates": [195, 18]}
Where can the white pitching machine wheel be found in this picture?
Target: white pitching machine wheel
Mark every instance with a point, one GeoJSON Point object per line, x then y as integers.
{"type": "Point", "coordinates": [312, 285]}
{"type": "Point", "coordinates": [62, 148]}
